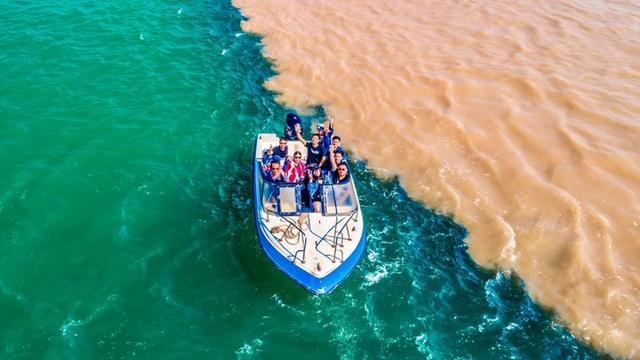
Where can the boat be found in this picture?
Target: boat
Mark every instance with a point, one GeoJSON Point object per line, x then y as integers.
{"type": "Point", "coordinates": [318, 250]}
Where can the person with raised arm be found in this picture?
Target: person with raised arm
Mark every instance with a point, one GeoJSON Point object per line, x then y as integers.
{"type": "Point", "coordinates": [325, 134]}
{"type": "Point", "coordinates": [336, 157]}
{"type": "Point", "coordinates": [336, 141]}
{"type": "Point", "coordinates": [315, 150]}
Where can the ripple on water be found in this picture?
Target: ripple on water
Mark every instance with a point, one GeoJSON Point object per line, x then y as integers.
{"type": "Point", "coordinates": [129, 180]}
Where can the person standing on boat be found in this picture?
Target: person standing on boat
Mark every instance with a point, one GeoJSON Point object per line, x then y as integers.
{"type": "Point", "coordinates": [292, 126]}
{"type": "Point", "coordinates": [315, 151]}
{"type": "Point", "coordinates": [295, 168]}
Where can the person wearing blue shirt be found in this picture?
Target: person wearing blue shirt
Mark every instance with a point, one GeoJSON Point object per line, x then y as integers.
{"type": "Point", "coordinates": [336, 141]}
{"type": "Point", "coordinates": [336, 157]}
{"type": "Point", "coordinates": [325, 135]}
{"type": "Point", "coordinates": [312, 195]}
{"type": "Point", "coordinates": [292, 126]}
{"type": "Point", "coordinates": [331, 163]}
{"type": "Point", "coordinates": [341, 175]}
{"type": "Point", "coordinates": [282, 149]}
{"type": "Point", "coordinates": [316, 154]}
{"type": "Point", "coordinates": [275, 173]}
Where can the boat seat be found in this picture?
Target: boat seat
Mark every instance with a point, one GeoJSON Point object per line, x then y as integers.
{"type": "Point", "coordinates": [292, 147]}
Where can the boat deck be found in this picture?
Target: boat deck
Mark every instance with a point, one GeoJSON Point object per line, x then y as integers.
{"type": "Point", "coordinates": [318, 244]}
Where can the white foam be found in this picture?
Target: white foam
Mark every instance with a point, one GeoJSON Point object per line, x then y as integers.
{"type": "Point", "coordinates": [251, 348]}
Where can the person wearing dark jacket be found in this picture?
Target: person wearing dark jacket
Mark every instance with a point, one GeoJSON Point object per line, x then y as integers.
{"type": "Point", "coordinates": [275, 173]}
{"type": "Point", "coordinates": [313, 189]}
{"type": "Point", "coordinates": [341, 175]}
{"type": "Point", "coordinates": [282, 149]}
{"type": "Point", "coordinates": [292, 126]}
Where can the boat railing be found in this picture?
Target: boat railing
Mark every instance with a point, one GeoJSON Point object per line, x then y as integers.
{"type": "Point", "coordinates": [286, 199]}
{"type": "Point", "coordinates": [291, 228]}
{"type": "Point", "coordinates": [338, 201]}
{"type": "Point", "coordinates": [335, 237]}
{"type": "Point", "coordinates": [300, 236]}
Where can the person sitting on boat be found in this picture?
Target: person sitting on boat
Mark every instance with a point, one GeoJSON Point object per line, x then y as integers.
{"type": "Point", "coordinates": [275, 173]}
{"type": "Point", "coordinates": [315, 151]}
{"type": "Point", "coordinates": [313, 189]}
{"type": "Point", "coordinates": [341, 175]}
{"type": "Point", "coordinates": [292, 126]}
{"type": "Point", "coordinates": [295, 168]}
{"type": "Point", "coordinates": [281, 150]}
{"type": "Point", "coordinates": [336, 141]}
{"type": "Point", "coordinates": [336, 157]}
{"type": "Point", "coordinates": [266, 160]}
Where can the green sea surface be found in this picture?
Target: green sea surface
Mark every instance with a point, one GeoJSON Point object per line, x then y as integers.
{"type": "Point", "coordinates": [126, 219]}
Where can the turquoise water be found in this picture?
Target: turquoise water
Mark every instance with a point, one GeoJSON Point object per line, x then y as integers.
{"type": "Point", "coordinates": [126, 225]}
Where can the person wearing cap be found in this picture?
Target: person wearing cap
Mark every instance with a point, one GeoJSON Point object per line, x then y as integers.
{"type": "Point", "coordinates": [325, 134]}
{"type": "Point", "coordinates": [292, 126]}
{"type": "Point", "coordinates": [316, 154]}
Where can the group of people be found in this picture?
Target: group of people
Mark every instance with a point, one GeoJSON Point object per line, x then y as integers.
{"type": "Point", "coordinates": [325, 163]}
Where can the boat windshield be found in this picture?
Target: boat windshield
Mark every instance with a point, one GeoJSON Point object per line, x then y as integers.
{"type": "Point", "coordinates": [283, 198]}
{"type": "Point", "coordinates": [339, 199]}
{"type": "Point", "coordinates": [291, 199]}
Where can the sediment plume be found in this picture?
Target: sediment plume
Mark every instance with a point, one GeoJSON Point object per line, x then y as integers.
{"type": "Point", "coordinates": [519, 119]}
